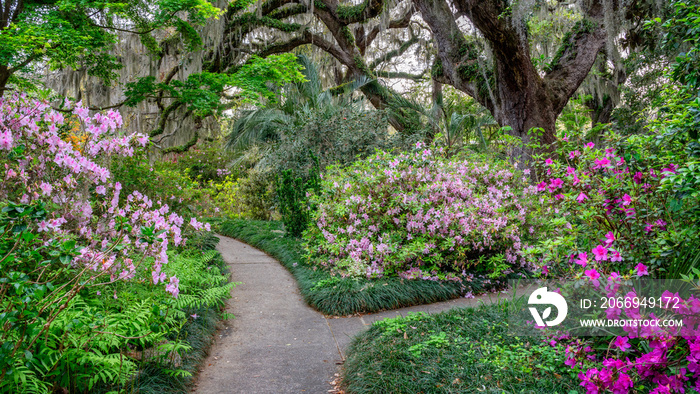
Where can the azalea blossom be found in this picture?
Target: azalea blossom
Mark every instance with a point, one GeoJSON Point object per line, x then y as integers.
{"type": "Point", "coordinates": [641, 270]}
{"type": "Point", "coordinates": [600, 252]}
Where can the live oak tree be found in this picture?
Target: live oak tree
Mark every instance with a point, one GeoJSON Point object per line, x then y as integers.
{"type": "Point", "coordinates": [482, 47]}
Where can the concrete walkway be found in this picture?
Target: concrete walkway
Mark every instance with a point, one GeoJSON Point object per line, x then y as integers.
{"type": "Point", "coordinates": [277, 343]}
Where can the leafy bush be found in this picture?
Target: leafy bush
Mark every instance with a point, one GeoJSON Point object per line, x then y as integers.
{"type": "Point", "coordinates": [65, 237]}
{"type": "Point", "coordinates": [292, 197]}
{"type": "Point", "coordinates": [250, 196]}
{"type": "Point", "coordinates": [418, 216]}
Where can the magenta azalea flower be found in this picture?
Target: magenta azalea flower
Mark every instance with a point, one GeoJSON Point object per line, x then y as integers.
{"type": "Point", "coordinates": [582, 259]}
{"type": "Point", "coordinates": [622, 343]}
{"type": "Point", "coordinates": [642, 270]}
{"type": "Point", "coordinates": [581, 197]}
{"type": "Point", "coordinates": [615, 257]}
{"type": "Point", "coordinates": [626, 199]}
{"type": "Point", "coordinates": [593, 274]}
{"type": "Point", "coordinates": [600, 252]}
{"type": "Point", "coordinates": [556, 183]}
{"type": "Point", "coordinates": [609, 238]}
{"type": "Point", "coordinates": [549, 162]}
{"type": "Point", "coordinates": [602, 163]}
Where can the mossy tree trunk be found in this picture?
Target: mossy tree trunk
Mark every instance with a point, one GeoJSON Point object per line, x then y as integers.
{"type": "Point", "coordinates": [512, 89]}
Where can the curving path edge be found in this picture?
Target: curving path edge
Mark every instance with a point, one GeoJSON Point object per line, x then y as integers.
{"type": "Point", "coordinates": [276, 343]}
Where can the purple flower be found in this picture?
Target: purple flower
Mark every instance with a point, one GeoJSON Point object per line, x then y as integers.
{"type": "Point", "coordinates": [555, 184]}
{"type": "Point", "coordinates": [626, 199]}
{"type": "Point", "coordinates": [593, 275]}
{"type": "Point", "coordinates": [615, 256]}
{"type": "Point", "coordinates": [637, 178]}
{"type": "Point", "coordinates": [581, 197]}
{"type": "Point", "coordinates": [45, 188]}
{"type": "Point", "coordinates": [602, 163]}
{"type": "Point", "coordinates": [609, 238]}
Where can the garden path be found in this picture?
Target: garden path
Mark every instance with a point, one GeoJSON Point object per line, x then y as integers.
{"type": "Point", "coordinates": [277, 343]}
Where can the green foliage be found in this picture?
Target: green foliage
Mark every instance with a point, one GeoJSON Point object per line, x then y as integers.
{"type": "Point", "coordinates": [249, 196]}
{"type": "Point", "coordinates": [95, 337]}
{"type": "Point", "coordinates": [329, 124]}
{"type": "Point", "coordinates": [337, 296]}
{"type": "Point", "coordinates": [462, 350]}
{"type": "Point", "coordinates": [201, 93]}
{"type": "Point", "coordinates": [292, 197]}
{"type": "Point", "coordinates": [74, 34]}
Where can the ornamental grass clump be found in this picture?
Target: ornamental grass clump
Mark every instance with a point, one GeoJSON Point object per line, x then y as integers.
{"type": "Point", "coordinates": [417, 215]}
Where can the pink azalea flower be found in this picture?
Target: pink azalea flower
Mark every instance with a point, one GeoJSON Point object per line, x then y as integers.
{"type": "Point", "coordinates": [581, 197]}
{"type": "Point", "coordinates": [541, 186]}
{"type": "Point", "coordinates": [622, 343]}
{"type": "Point", "coordinates": [574, 154]}
{"type": "Point", "coordinates": [600, 252]}
{"type": "Point", "coordinates": [593, 275]}
{"type": "Point", "coordinates": [556, 183]}
{"type": "Point", "coordinates": [570, 171]}
{"type": "Point", "coordinates": [545, 270]}
{"type": "Point", "coordinates": [45, 188]}
{"type": "Point", "coordinates": [549, 162]}
{"type": "Point", "coordinates": [642, 270]}
{"type": "Point", "coordinates": [609, 238]}
{"type": "Point", "coordinates": [626, 199]}
{"type": "Point", "coordinates": [194, 316]}
{"type": "Point", "coordinates": [582, 259]}
{"type": "Point", "coordinates": [602, 163]}
{"type": "Point", "coordinates": [615, 256]}
{"type": "Point", "coordinates": [637, 178]}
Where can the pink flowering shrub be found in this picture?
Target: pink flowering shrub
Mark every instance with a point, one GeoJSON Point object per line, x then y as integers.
{"type": "Point", "coordinates": [417, 215]}
{"type": "Point", "coordinates": [613, 215]}
{"type": "Point", "coordinates": [650, 359]}
{"type": "Point", "coordinates": [594, 197]}
{"type": "Point", "coordinates": [65, 237]}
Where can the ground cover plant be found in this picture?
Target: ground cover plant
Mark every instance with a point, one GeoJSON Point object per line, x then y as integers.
{"type": "Point", "coordinates": [458, 351]}
{"type": "Point", "coordinates": [87, 277]}
{"type": "Point", "coordinates": [332, 295]}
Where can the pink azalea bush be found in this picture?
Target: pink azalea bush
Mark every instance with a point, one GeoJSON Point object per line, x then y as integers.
{"type": "Point", "coordinates": [613, 216]}
{"type": "Point", "coordinates": [77, 189]}
{"type": "Point", "coordinates": [591, 197]}
{"type": "Point", "coordinates": [417, 215]}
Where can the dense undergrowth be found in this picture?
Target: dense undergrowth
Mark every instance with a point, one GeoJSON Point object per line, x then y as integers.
{"type": "Point", "coordinates": [458, 351]}
{"type": "Point", "coordinates": [332, 295]}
